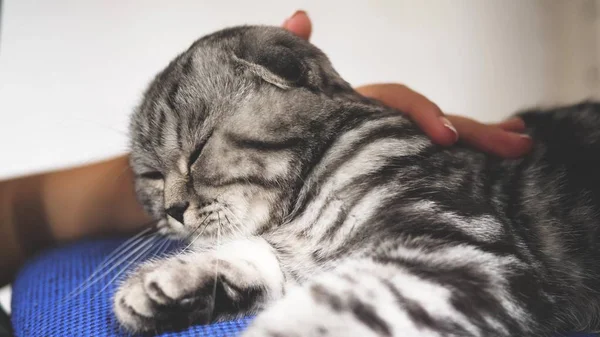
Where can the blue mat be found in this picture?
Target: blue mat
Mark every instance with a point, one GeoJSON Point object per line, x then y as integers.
{"type": "Point", "coordinates": [41, 306]}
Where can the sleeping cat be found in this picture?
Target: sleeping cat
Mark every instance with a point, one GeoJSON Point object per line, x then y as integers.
{"type": "Point", "coordinates": [338, 216]}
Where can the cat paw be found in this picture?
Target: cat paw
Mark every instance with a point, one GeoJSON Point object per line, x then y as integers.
{"type": "Point", "coordinates": [177, 292]}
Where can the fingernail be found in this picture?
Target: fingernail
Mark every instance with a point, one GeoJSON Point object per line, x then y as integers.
{"type": "Point", "coordinates": [450, 127]}
{"type": "Point", "coordinates": [293, 16]}
{"type": "Point", "coordinates": [525, 136]}
{"type": "Point", "coordinates": [512, 119]}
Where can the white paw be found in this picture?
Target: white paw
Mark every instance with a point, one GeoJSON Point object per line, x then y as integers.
{"type": "Point", "coordinates": [182, 290]}
{"type": "Point", "coordinates": [156, 296]}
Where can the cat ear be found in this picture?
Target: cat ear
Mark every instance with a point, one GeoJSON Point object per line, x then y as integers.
{"type": "Point", "coordinates": [286, 61]}
{"type": "Point", "coordinates": [274, 63]}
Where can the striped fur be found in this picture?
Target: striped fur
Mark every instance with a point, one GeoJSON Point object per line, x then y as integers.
{"type": "Point", "coordinates": [339, 217]}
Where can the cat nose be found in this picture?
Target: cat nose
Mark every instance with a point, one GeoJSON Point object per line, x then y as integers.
{"type": "Point", "coordinates": [176, 210]}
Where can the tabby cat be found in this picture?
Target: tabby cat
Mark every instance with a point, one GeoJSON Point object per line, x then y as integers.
{"type": "Point", "coordinates": [339, 217]}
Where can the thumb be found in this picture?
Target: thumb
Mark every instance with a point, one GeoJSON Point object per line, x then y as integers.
{"type": "Point", "coordinates": [299, 24]}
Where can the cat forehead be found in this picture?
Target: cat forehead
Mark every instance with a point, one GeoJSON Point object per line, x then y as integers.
{"type": "Point", "coordinates": [237, 68]}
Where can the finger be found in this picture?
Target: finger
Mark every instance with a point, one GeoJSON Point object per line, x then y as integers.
{"type": "Point", "coordinates": [421, 110]}
{"type": "Point", "coordinates": [491, 138]}
{"type": "Point", "coordinates": [514, 124]}
{"type": "Point", "coordinates": [299, 24]}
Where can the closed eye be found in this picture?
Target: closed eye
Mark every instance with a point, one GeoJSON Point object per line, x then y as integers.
{"type": "Point", "coordinates": [265, 145]}
{"type": "Point", "coordinates": [196, 153]}
{"type": "Point", "coordinates": [194, 156]}
{"type": "Point", "coordinates": [152, 175]}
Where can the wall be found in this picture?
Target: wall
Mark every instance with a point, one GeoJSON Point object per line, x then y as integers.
{"type": "Point", "coordinates": [577, 38]}
{"type": "Point", "coordinates": [71, 71]}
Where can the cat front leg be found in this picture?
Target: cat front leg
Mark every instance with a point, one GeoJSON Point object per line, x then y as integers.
{"type": "Point", "coordinates": [200, 287]}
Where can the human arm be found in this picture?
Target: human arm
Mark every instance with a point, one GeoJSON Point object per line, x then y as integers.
{"type": "Point", "coordinates": [40, 210]}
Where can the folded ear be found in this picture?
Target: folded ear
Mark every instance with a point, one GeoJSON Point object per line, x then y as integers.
{"type": "Point", "coordinates": [285, 60]}
{"type": "Point", "coordinates": [273, 62]}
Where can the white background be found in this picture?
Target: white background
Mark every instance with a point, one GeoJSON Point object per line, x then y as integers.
{"type": "Point", "coordinates": [71, 71]}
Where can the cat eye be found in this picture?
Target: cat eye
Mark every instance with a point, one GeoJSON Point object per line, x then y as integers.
{"type": "Point", "coordinates": [152, 175]}
{"type": "Point", "coordinates": [196, 153]}
{"type": "Point", "coordinates": [194, 156]}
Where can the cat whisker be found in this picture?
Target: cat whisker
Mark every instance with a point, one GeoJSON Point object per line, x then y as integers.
{"type": "Point", "coordinates": [226, 208]}
{"type": "Point", "coordinates": [195, 229]}
{"type": "Point", "coordinates": [137, 258]}
{"type": "Point", "coordinates": [235, 228]}
{"type": "Point", "coordinates": [199, 234]}
{"type": "Point", "coordinates": [144, 246]}
{"type": "Point", "coordinates": [135, 241]}
{"type": "Point", "coordinates": [214, 294]}
{"type": "Point", "coordinates": [122, 248]}
{"type": "Point", "coordinates": [128, 247]}
{"type": "Point", "coordinates": [203, 222]}
{"type": "Point", "coordinates": [160, 249]}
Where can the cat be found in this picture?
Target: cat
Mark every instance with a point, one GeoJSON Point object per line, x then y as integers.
{"type": "Point", "coordinates": [330, 214]}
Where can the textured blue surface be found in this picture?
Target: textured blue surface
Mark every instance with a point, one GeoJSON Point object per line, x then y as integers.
{"type": "Point", "coordinates": [41, 306]}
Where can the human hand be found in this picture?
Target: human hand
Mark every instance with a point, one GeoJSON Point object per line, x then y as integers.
{"type": "Point", "coordinates": [503, 139]}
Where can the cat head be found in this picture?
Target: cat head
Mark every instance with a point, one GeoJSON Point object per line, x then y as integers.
{"type": "Point", "coordinates": [225, 135]}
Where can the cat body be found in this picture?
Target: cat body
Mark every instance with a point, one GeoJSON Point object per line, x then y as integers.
{"type": "Point", "coordinates": [332, 215]}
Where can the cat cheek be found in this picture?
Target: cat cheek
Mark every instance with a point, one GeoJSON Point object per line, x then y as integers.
{"type": "Point", "coordinates": [151, 202]}
{"type": "Point", "coordinates": [258, 212]}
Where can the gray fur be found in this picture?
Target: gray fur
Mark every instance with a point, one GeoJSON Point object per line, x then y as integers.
{"type": "Point", "coordinates": [250, 146]}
